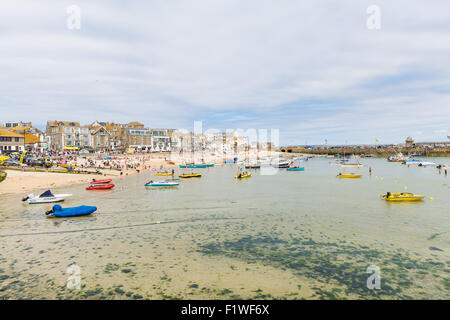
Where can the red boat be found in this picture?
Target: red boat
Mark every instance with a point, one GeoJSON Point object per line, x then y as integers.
{"type": "Point", "coordinates": [101, 181]}
{"type": "Point", "coordinates": [100, 187]}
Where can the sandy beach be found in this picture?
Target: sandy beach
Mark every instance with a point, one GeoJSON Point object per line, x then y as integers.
{"type": "Point", "coordinates": [125, 165]}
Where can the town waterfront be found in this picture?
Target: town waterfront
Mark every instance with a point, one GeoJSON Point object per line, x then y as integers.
{"type": "Point", "coordinates": [291, 235]}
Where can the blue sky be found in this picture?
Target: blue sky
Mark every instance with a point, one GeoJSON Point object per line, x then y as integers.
{"type": "Point", "coordinates": [311, 69]}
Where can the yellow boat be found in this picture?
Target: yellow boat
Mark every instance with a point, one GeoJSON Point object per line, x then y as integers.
{"type": "Point", "coordinates": [190, 175]}
{"type": "Point", "coordinates": [243, 175]}
{"type": "Point", "coordinates": [349, 175]}
{"type": "Point", "coordinates": [67, 166]}
{"type": "Point", "coordinates": [403, 196]}
{"type": "Point", "coordinates": [164, 174]}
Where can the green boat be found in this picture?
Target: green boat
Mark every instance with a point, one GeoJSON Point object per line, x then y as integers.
{"type": "Point", "coordinates": [194, 166]}
{"type": "Point", "coordinates": [295, 169]}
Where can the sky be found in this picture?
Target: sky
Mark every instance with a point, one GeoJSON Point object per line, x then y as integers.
{"type": "Point", "coordinates": [311, 69]}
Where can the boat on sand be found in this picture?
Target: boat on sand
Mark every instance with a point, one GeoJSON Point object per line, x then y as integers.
{"type": "Point", "coordinates": [58, 211]}
{"type": "Point", "coordinates": [46, 197]}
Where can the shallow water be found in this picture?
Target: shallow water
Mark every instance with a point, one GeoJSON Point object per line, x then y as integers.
{"type": "Point", "coordinates": [291, 235]}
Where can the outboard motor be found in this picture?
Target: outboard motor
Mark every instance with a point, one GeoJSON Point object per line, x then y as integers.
{"type": "Point", "coordinates": [56, 207]}
{"type": "Point", "coordinates": [31, 195]}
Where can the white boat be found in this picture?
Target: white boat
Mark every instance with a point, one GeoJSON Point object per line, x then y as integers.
{"type": "Point", "coordinates": [46, 197]}
{"type": "Point", "coordinates": [426, 164]}
{"type": "Point", "coordinates": [351, 165]}
{"type": "Point", "coordinates": [161, 184]}
{"type": "Point", "coordinates": [356, 164]}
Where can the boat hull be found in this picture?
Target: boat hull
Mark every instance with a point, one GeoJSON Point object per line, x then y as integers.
{"type": "Point", "coordinates": [403, 197]}
{"type": "Point", "coordinates": [99, 187]}
{"type": "Point", "coordinates": [243, 176]}
{"type": "Point", "coordinates": [56, 198]}
{"type": "Point", "coordinates": [349, 176]}
{"type": "Point", "coordinates": [187, 176]}
{"type": "Point", "coordinates": [73, 212]}
{"type": "Point", "coordinates": [295, 169]}
{"type": "Point", "coordinates": [101, 181]}
{"type": "Point", "coordinates": [161, 184]}
{"type": "Point", "coordinates": [190, 166]}
{"type": "Point", "coordinates": [38, 201]}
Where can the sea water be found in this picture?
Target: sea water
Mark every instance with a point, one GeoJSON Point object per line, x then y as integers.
{"type": "Point", "coordinates": [291, 235]}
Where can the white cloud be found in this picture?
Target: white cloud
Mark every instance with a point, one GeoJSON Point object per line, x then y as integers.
{"type": "Point", "coordinates": [168, 63]}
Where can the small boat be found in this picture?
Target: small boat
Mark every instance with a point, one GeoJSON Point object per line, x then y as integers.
{"type": "Point", "coordinates": [426, 164]}
{"type": "Point", "coordinates": [349, 175]}
{"type": "Point", "coordinates": [100, 181]}
{"type": "Point", "coordinates": [46, 197]}
{"type": "Point", "coordinates": [161, 184]}
{"type": "Point", "coordinates": [281, 164]}
{"type": "Point", "coordinates": [412, 161]}
{"type": "Point", "coordinates": [190, 175]}
{"type": "Point", "coordinates": [351, 165]}
{"type": "Point", "coordinates": [164, 174]}
{"type": "Point", "coordinates": [253, 166]}
{"type": "Point", "coordinates": [397, 158]}
{"type": "Point", "coordinates": [243, 175]}
{"type": "Point", "coordinates": [100, 187]}
{"type": "Point", "coordinates": [59, 212]}
{"type": "Point", "coordinates": [190, 166]}
{"type": "Point", "coordinates": [403, 196]}
{"type": "Point", "coordinates": [295, 169]}
{"type": "Point", "coordinates": [210, 165]}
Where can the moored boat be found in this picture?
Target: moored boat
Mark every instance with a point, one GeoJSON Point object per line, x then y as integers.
{"type": "Point", "coordinates": [190, 175]}
{"type": "Point", "coordinates": [426, 164]}
{"type": "Point", "coordinates": [161, 184]}
{"type": "Point", "coordinates": [243, 175]}
{"type": "Point", "coordinates": [100, 187]}
{"type": "Point", "coordinates": [349, 175]}
{"type": "Point", "coordinates": [46, 197]}
{"type": "Point", "coordinates": [106, 181]}
{"type": "Point", "coordinates": [253, 166]}
{"type": "Point", "coordinates": [412, 161]}
{"type": "Point", "coordinates": [402, 196]}
{"type": "Point", "coordinates": [295, 169]}
{"type": "Point", "coordinates": [194, 166]}
{"type": "Point", "coordinates": [397, 158]}
{"type": "Point", "coordinates": [164, 174]}
{"type": "Point", "coordinates": [58, 211]}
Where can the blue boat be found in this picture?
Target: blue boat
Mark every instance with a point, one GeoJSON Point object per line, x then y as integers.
{"type": "Point", "coordinates": [295, 169]}
{"type": "Point", "coordinates": [58, 211]}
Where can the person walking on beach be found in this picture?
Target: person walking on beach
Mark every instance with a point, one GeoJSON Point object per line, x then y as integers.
{"type": "Point", "coordinates": [370, 170]}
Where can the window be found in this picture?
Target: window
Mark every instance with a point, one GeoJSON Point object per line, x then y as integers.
{"type": "Point", "coordinates": [17, 139]}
